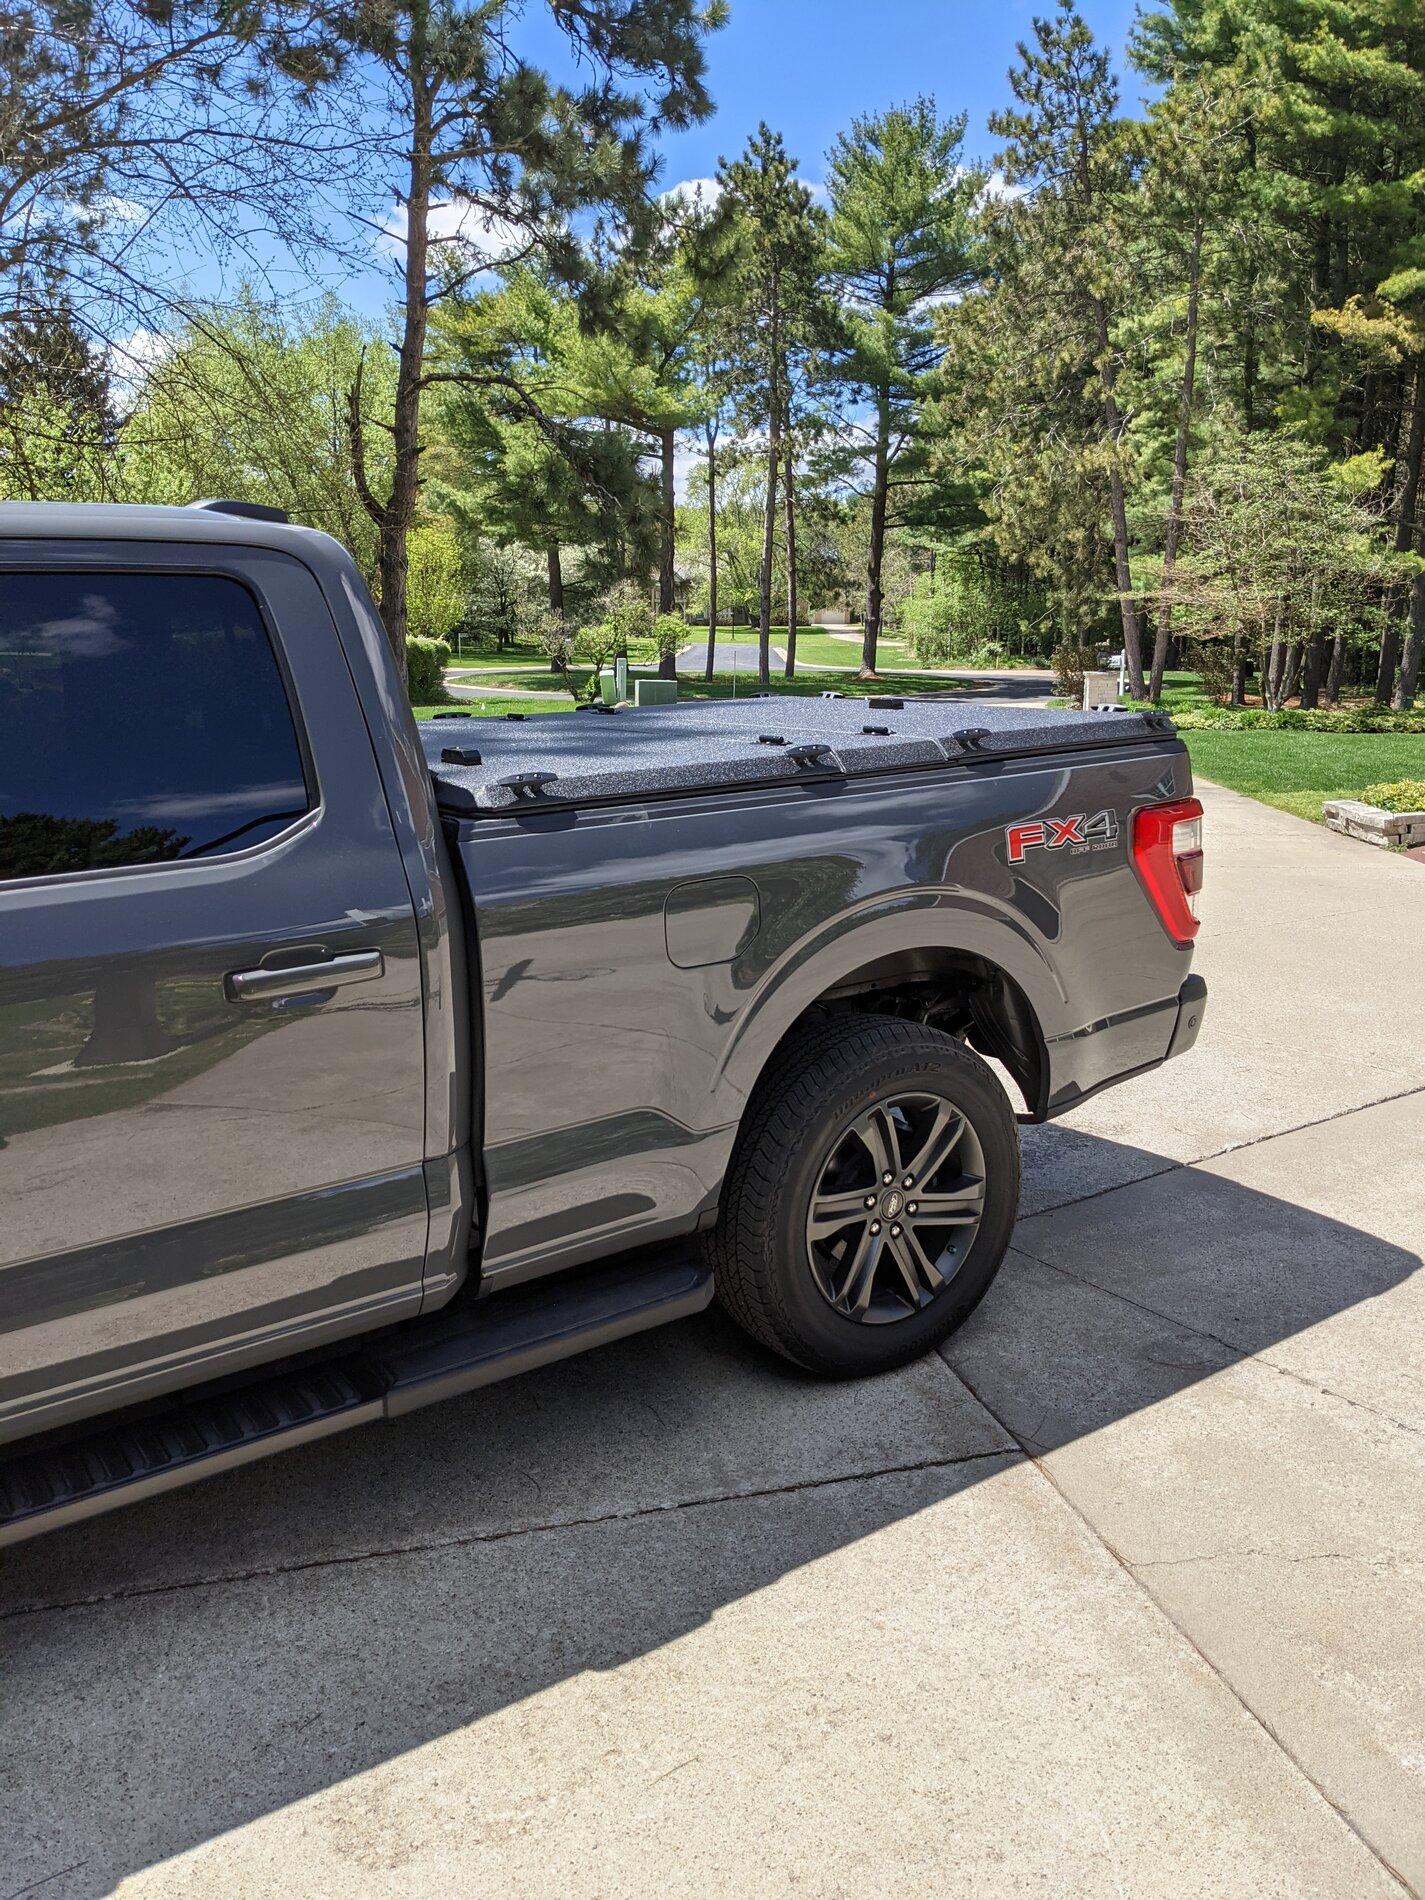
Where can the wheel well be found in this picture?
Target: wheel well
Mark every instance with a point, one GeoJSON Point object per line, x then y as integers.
{"type": "Point", "coordinates": [954, 991]}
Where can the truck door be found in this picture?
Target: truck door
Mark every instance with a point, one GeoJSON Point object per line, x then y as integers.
{"type": "Point", "coordinates": [211, 1063]}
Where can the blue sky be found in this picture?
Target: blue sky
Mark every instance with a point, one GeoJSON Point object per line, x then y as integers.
{"type": "Point", "coordinates": [810, 66]}
{"type": "Point", "coordinates": [806, 66]}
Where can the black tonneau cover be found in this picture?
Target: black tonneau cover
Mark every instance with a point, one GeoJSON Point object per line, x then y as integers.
{"type": "Point", "coordinates": [542, 760]}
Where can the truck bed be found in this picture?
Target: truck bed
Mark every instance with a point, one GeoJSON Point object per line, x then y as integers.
{"type": "Point", "coordinates": [499, 765]}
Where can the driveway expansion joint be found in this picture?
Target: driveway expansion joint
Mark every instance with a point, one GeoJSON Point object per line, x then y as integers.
{"type": "Point", "coordinates": [1240, 1354]}
{"type": "Point", "coordinates": [1137, 1583]}
{"type": "Point", "coordinates": [1008, 1453]}
{"type": "Point", "coordinates": [1217, 1154]}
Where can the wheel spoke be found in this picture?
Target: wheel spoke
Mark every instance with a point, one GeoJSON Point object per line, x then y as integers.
{"type": "Point", "coordinates": [918, 1270]}
{"type": "Point", "coordinates": [854, 1293]}
{"type": "Point", "coordinates": [831, 1212]}
{"type": "Point", "coordinates": [878, 1131]}
{"type": "Point", "coordinates": [961, 1205]}
{"type": "Point", "coordinates": [945, 1131]}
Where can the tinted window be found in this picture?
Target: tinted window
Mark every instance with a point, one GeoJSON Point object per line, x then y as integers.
{"type": "Point", "coordinates": [142, 718]}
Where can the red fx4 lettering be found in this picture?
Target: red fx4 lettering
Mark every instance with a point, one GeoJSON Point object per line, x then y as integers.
{"type": "Point", "coordinates": [1081, 831]}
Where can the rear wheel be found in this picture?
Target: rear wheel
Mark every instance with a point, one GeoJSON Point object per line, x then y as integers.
{"type": "Point", "coordinates": [871, 1196]}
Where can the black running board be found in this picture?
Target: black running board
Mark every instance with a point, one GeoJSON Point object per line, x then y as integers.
{"type": "Point", "coordinates": [199, 1436]}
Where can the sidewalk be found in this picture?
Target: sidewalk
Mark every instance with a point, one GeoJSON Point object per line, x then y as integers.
{"type": "Point", "coordinates": [1122, 1595]}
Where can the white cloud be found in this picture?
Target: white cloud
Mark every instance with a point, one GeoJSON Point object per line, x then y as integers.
{"type": "Point", "coordinates": [454, 226]}
{"type": "Point", "coordinates": [131, 358]}
{"type": "Point", "coordinates": [997, 186]}
{"type": "Point", "coordinates": [110, 208]}
{"type": "Point", "coordinates": [692, 191]}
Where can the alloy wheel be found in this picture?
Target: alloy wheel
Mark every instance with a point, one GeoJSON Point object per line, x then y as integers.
{"type": "Point", "coordinates": [896, 1207]}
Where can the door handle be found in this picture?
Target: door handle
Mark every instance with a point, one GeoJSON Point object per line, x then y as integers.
{"type": "Point", "coordinates": [303, 979]}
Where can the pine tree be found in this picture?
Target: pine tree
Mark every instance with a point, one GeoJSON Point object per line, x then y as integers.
{"type": "Point", "coordinates": [493, 156]}
{"type": "Point", "coordinates": [772, 312]}
{"type": "Point", "coordinates": [1063, 143]}
{"type": "Point", "coordinates": [899, 241]}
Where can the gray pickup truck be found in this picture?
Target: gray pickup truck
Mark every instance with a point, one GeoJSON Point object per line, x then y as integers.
{"type": "Point", "coordinates": [347, 1063]}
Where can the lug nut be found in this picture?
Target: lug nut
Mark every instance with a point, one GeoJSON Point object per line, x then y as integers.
{"type": "Point", "coordinates": [909, 1181]}
{"type": "Point", "coordinates": [887, 1179]}
{"type": "Point", "coordinates": [895, 1233]}
{"type": "Point", "coordinates": [870, 1200]}
{"type": "Point", "coordinates": [875, 1227]}
{"type": "Point", "coordinates": [911, 1208]}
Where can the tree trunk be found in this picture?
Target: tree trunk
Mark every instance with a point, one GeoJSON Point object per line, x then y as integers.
{"type": "Point", "coordinates": [790, 503]}
{"type": "Point", "coordinates": [1290, 668]}
{"type": "Point", "coordinates": [1335, 673]}
{"type": "Point", "coordinates": [1113, 423]}
{"type": "Point", "coordinates": [667, 573]}
{"type": "Point", "coordinates": [712, 554]}
{"type": "Point", "coordinates": [876, 556]}
{"type": "Point", "coordinates": [1239, 678]}
{"type": "Point", "coordinates": [556, 580]}
{"type": "Point", "coordinates": [769, 515]}
{"type": "Point", "coordinates": [398, 513]}
{"type": "Point", "coordinates": [1180, 456]}
{"type": "Point", "coordinates": [1274, 666]}
{"type": "Point", "coordinates": [1315, 656]}
{"type": "Point", "coordinates": [1404, 539]}
{"type": "Point", "coordinates": [1408, 682]}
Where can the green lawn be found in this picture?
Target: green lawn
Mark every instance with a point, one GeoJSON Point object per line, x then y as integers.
{"type": "Point", "coordinates": [1297, 770]}
{"type": "Point", "coordinates": [494, 708]}
{"type": "Point", "coordinates": [692, 686]}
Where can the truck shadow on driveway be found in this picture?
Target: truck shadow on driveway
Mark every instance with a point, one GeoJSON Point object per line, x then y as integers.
{"type": "Point", "coordinates": [176, 1671]}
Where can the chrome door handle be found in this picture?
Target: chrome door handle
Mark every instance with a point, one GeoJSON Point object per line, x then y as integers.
{"type": "Point", "coordinates": [302, 979]}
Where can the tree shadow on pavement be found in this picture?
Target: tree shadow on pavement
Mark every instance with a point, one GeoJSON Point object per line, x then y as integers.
{"type": "Point", "coordinates": [175, 1671]}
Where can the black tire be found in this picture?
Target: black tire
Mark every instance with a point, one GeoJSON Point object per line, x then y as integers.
{"type": "Point", "coordinates": [825, 1083]}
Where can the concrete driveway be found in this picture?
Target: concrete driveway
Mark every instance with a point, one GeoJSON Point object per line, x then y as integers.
{"type": "Point", "coordinates": [1121, 1595]}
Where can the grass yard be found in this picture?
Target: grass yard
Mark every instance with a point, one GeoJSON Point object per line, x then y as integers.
{"type": "Point", "coordinates": [1297, 770]}
{"type": "Point", "coordinates": [691, 686]}
{"type": "Point", "coordinates": [494, 708]}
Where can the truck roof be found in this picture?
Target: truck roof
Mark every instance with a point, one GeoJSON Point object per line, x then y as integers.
{"type": "Point", "coordinates": [527, 761]}
{"type": "Point", "coordinates": [124, 521]}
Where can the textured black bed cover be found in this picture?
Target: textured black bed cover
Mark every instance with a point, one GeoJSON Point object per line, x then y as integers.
{"type": "Point", "coordinates": [527, 762]}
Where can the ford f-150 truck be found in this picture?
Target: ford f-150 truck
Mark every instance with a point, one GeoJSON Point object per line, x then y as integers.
{"type": "Point", "coordinates": [346, 1062]}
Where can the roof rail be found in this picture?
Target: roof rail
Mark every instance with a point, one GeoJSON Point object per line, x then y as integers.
{"type": "Point", "coordinates": [246, 510]}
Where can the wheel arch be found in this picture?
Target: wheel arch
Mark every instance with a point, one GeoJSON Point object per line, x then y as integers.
{"type": "Point", "coordinates": [995, 995]}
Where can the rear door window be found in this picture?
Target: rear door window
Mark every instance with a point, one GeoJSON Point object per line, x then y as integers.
{"type": "Point", "coordinates": [143, 719]}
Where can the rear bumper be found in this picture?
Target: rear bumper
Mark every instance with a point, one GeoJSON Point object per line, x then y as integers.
{"type": "Point", "coordinates": [1104, 1053]}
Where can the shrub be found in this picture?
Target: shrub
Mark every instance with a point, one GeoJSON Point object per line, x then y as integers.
{"type": "Point", "coordinates": [436, 594]}
{"type": "Point", "coordinates": [670, 632]}
{"type": "Point", "coordinates": [1405, 794]}
{"type": "Point", "coordinates": [426, 661]}
{"type": "Point", "coordinates": [1293, 719]}
{"type": "Point", "coordinates": [1211, 660]}
{"type": "Point", "coordinates": [1070, 663]}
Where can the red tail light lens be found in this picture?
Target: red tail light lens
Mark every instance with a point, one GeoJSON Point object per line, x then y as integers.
{"type": "Point", "coordinates": [1167, 855]}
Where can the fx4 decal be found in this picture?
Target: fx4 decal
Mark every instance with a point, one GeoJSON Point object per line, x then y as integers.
{"type": "Point", "coordinates": [1080, 832]}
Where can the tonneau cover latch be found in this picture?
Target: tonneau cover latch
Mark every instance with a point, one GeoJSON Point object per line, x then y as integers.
{"type": "Point", "coordinates": [528, 784]}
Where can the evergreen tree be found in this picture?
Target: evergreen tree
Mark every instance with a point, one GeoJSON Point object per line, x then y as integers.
{"type": "Point", "coordinates": [492, 156]}
{"type": "Point", "coordinates": [1063, 142]}
{"type": "Point", "coordinates": [899, 241]}
{"type": "Point", "coordinates": [773, 308]}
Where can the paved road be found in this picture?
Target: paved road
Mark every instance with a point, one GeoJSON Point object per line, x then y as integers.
{"type": "Point", "coordinates": [1122, 1595]}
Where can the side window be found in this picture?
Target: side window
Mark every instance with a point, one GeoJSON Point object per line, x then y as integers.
{"type": "Point", "coordinates": [142, 718]}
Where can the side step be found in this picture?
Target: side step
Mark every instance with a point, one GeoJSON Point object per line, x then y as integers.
{"type": "Point", "coordinates": [498, 1338]}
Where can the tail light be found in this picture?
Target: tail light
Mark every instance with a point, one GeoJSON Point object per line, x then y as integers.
{"type": "Point", "coordinates": [1167, 855]}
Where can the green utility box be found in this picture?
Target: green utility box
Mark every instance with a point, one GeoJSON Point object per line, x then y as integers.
{"type": "Point", "coordinates": [655, 692]}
